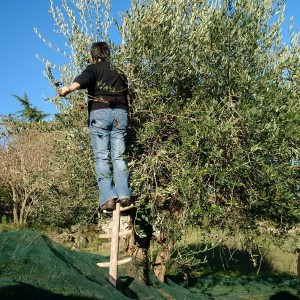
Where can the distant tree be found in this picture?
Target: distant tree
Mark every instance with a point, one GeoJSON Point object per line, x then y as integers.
{"type": "Point", "coordinates": [29, 112]}
{"type": "Point", "coordinates": [24, 170]}
{"type": "Point", "coordinates": [22, 151]}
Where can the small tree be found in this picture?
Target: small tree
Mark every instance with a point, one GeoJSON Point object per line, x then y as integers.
{"type": "Point", "coordinates": [23, 169]}
{"type": "Point", "coordinates": [29, 113]}
{"type": "Point", "coordinates": [24, 149]}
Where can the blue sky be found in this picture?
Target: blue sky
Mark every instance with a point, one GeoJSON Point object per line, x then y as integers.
{"type": "Point", "coordinates": [22, 72]}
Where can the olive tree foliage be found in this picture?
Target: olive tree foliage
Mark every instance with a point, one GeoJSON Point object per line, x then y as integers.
{"type": "Point", "coordinates": [74, 196]}
{"type": "Point", "coordinates": [213, 137]}
{"type": "Point", "coordinates": [215, 118]}
{"type": "Point", "coordinates": [79, 22]}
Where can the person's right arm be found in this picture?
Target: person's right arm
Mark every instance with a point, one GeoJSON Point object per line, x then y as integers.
{"type": "Point", "coordinates": [66, 90]}
{"type": "Point", "coordinates": [80, 82]}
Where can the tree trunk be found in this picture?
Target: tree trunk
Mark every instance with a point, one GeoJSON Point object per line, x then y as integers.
{"type": "Point", "coordinates": [298, 267]}
{"type": "Point", "coordinates": [138, 247]}
{"type": "Point", "coordinates": [23, 214]}
{"type": "Point", "coordinates": [161, 260]}
{"type": "Point", "coordinates": [15, 204]}
{"type": "Point", "coordinates": [15, 213]}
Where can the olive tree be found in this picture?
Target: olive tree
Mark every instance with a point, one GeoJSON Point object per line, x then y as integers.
{"type": "Point", "coordinates": [215, 115]}
{"type": "Point", "coordinates": [212, 136]}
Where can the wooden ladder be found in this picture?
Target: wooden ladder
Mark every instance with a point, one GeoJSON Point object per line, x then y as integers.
{"type": "Point", "coordinates": [114, 248]}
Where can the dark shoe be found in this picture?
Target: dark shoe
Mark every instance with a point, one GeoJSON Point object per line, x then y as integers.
{"type": "Point", "coordinates": [109, 205]}
{"type": "Point", "coordinates": [125, 202]}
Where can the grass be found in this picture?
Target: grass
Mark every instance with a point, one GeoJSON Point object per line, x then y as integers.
{"type": "Point", "coordinates": [244, 253]}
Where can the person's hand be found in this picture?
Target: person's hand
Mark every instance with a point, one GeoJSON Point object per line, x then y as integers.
{"type": "Point", "coordinates": [64, 91]}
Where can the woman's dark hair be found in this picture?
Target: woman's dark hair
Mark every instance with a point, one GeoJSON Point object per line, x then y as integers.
{"type": "Point", "coordinates": [101, 51]}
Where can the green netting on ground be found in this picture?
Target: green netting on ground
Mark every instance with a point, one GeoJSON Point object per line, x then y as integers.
{"type": "Point", "coordinates": [34, 267]}
{"type": "Point", "coordinates": [265, 287]}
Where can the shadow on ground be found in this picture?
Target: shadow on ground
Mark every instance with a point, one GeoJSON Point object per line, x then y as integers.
{"type": "Point", "coordinates": [20, 291]}
{"type": "Point", "coordinates": [230, 274]}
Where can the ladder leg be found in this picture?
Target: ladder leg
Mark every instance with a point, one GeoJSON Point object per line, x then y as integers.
{"type": "Point", "coordinates": [114, 250]}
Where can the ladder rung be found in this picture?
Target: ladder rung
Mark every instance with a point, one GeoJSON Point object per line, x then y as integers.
{"type": "Point", "coordinates": [126, 208]}
{"type": "Point", "coordinates": [103, 264]}
{"type": "Point", "coordinates": [125, 232]}
{"type": "Point", "coordinates": [124, 260]}
{"type": "Point", "coordinates": [121, 209]}
{"type": "Point", "coordinates": [120, 262]}
{"type": "Point", "coordinates": [108, 235]}
{"type": "Point", "coordinates": [105, 236]}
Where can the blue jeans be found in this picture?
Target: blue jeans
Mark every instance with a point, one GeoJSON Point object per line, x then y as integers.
{"type": "Point", "coordinates": [107, 129]}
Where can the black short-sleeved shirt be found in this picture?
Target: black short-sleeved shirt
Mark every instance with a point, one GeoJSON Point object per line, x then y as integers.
{"type": "Point", "coordinates": [104, 82]}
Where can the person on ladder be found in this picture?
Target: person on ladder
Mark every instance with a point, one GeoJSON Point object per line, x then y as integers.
{"type": "Point", "coordinates": [107, 121]}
